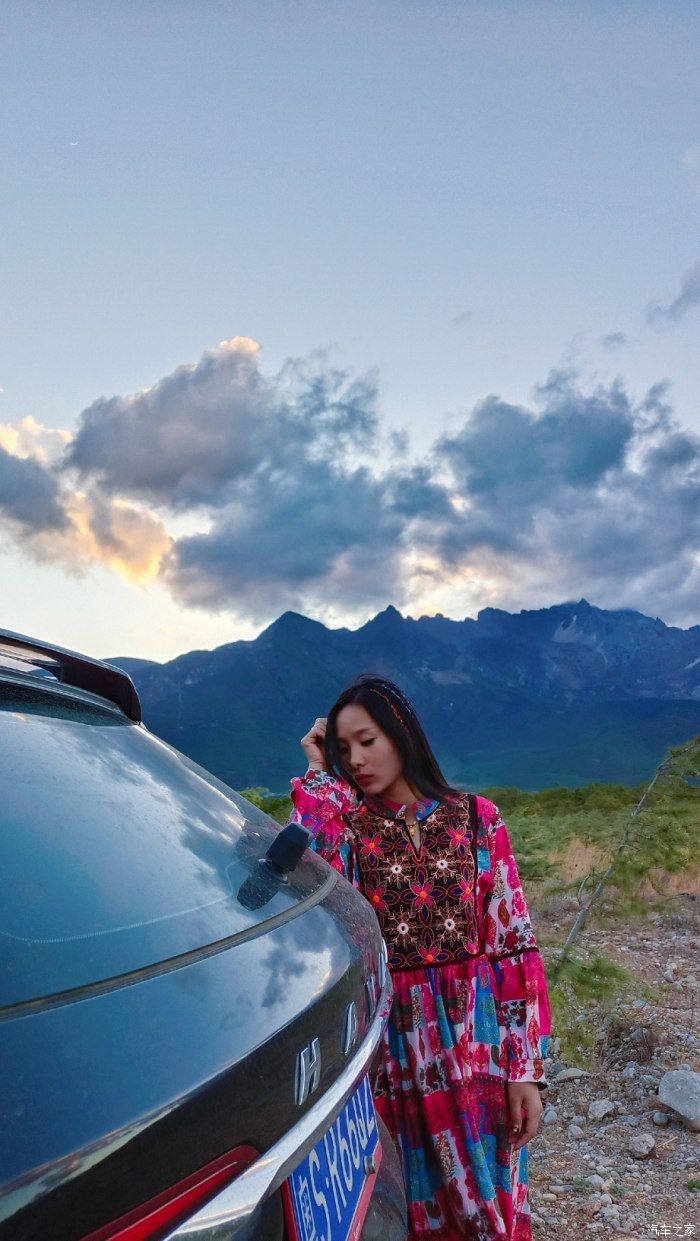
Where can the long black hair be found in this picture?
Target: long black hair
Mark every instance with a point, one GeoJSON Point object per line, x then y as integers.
{"type": "Point", "coordinates": [395, 715]}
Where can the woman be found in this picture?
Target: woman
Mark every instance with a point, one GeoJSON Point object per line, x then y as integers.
{"type": "Point", "coordinates": [463, 1063]}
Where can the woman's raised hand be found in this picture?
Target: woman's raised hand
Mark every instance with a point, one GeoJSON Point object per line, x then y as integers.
{"type": "Point", "coordinates": [313, 745]}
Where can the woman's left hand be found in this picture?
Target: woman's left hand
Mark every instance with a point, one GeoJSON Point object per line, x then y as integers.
{"type": "Point", "coordinates": [524, 1112]}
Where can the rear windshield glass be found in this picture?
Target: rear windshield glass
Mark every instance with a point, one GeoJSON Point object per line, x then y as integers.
{"type": "Point", "coordinates": [115, 853]}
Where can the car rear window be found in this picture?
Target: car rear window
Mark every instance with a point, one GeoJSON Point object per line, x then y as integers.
{"type": "Point", "coordinates": [115, 853]}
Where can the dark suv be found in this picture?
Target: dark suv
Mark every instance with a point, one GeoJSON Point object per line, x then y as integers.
{"type": "Point", "coordinates": [190, 1002]}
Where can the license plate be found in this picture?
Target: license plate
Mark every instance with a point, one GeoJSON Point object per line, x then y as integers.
{"type": "Point", "coordinates": [330, 1190]}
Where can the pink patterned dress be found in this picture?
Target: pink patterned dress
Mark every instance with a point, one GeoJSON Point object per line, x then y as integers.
{"type": "Point", "coordinates": [471, 1009]}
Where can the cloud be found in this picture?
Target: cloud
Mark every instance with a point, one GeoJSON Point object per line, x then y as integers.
{"type": "Point", "coordinates": [198, 435]}
{"type": "Point", "coordinates": [31, 439]}
{"type": "Point", "coordinates": [660, 315]}
{"type": "Point", "coordinates": [295, 537]}
{"type": "Point", "coordinates": [29, 496]}
{"type": "Point", "coordinates": [182, 442]}
{"type": "Point", "coordinates": [614, 340]}
{"type": "Point", "coordinates": [56, 523]}
{"type": "Point", "coordinates": [249, 493]}
{"type": "Point", "coordinates": [591, 494]}
{"type": "Point", "coordinates": [126, 539]}
{"type": "Point", "coordinates": [584, 492]}
{"type": "Point", "coordinates": [513, 456]}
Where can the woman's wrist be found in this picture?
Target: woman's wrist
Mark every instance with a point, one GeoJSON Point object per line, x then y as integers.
{"type": "Point", "coordinates": [314, 765]}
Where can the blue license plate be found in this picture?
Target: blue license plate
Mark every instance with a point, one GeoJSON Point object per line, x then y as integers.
{"type": "Point", "coordinates": [330, 1189]}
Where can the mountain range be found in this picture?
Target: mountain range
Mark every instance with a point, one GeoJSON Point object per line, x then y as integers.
{"type": "Point", "coordinates": [568, 694]}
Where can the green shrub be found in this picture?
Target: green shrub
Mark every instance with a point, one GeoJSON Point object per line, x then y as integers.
{"type": "Point", "coordinates": [583, 992]}
{"type": "Point", "coordinates": [278, 806]}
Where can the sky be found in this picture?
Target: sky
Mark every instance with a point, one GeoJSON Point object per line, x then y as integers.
{"type": "Point", "coordinates": [327, 306]}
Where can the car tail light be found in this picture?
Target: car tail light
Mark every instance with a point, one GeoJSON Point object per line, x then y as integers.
{"type": "Point", "coordinates": [158, 1216]}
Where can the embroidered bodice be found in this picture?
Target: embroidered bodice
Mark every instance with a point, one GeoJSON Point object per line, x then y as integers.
{"type": "Point", "coordinates": [424, 900]}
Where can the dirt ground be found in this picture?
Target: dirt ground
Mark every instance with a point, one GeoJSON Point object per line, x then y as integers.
{"type": "Point", "coordinates": [585, 1179]}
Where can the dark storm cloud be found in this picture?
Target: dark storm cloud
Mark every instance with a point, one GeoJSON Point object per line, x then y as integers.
{"type": "Point", "coordinates": [416, 493]}
{"type": "Point", "coordinates": [510, 461]}
{"type": "Point", "coordinates": [662, 315]}
{"type": "Point", "coordinates": [592, 492]}
{"type": "Point", "coordinates": [29, 495]}
{"type": "Point", "coordinates": [313, 531]}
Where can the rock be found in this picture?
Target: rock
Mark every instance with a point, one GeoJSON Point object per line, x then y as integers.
{"type": "Point", "coordinates": [606, 1200]}
{"type": "Point", "coordinates": [571, 1075]}
{"type": "Point", "coordinates": [548, 1197]}
{"type": "Point", "coordinates": [574, 1133]}
{"type": "Point", "coordinates": [578, 1118]}
{"type": "Point", "coordinates": [595, 1181]}
{"type": "Point", "coordinates": [660, 1118]}
{"type": "Point", "coordinates": [629, 1071]}
{"type": "Point", "coordinates": [680, 1090]}
{"type": "Point", "coordinates": [549, 1116]}
{"type": "Point", "coordinates": [600, 1108]}
{"type": "Point", "coordinates": [641, 1145]}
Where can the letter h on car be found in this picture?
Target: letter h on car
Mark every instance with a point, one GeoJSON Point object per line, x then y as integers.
{"type": "Point", "coordinates": [308, 1073]}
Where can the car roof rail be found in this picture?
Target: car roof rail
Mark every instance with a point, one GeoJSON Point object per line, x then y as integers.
{"type": "Point", "coordinates": [78, 670]}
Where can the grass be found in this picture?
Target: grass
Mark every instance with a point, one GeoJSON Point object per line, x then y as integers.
{"type": "Point", "coordinates": [582, 1185]}
{"type": "Point", "coordinates": [586, 989]}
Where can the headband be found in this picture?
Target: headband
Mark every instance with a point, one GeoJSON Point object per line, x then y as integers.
{"type": "Point", "coordinates": [390, 704]}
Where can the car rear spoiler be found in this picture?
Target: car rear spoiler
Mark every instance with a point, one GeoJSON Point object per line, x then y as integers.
{"type": "Point", "coordinates": [79, 670]}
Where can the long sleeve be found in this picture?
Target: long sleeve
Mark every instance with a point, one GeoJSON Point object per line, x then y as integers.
{"type": "Point", "coordinates": [509, 941]}
{"type": "Point", "coordinates": [319, 802]}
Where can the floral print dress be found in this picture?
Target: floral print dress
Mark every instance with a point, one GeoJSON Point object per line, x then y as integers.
{"type": "Point", "coordinates": [471, 1009]}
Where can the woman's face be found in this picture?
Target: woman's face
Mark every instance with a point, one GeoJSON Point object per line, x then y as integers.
{"type": "Point", "coordinates": [366, 752]}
